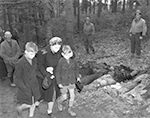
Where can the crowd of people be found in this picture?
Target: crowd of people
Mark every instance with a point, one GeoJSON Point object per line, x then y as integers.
{"type": "Point", "coordinates": [50, 74]}
{"type": "Point", "coordinates": [41, 75]}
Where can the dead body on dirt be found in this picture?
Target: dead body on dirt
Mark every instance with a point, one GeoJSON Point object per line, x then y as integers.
{"type": "Point", "coordinates": [131, 85]}
{"type": "Point", "coordinates": [119, 74]}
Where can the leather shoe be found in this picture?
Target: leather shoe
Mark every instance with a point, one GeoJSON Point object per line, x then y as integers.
{"type": "Point", "coordinates": [51, 115]}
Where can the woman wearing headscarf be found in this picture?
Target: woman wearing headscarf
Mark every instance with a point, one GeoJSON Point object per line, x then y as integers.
{"type": "Point", "coordinates": [47, 61]}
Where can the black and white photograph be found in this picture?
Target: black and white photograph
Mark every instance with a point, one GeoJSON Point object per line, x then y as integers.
{"type": "Point", "coordinates": [74, 58]}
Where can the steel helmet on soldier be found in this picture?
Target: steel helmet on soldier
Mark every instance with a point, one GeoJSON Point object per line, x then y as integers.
{"type": "Point", "coordinates": [138, 12]}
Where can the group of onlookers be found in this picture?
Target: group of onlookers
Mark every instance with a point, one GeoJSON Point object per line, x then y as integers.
{"type": "Point", "coordinates": [137, 33]}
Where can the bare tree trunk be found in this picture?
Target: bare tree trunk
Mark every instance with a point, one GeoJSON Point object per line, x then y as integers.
{"type": "Point", "coordinates": [78, 20]}
{"type": "Point", "coordinates": [27, 26]}
{"type": "Point", "coordinates": [4, 17]}
{"type": "Point", "coordinates": [59, 5]}
{"type": "Point", "coordinates": [69, 21]}
{"type": "Point", "coordinates": [130, 4]}
{"type": "Point", "coordinates": [10, 19]}
{"type": "Point", "coordinates": [37, 23]}
{"type": "Point", "coordinates": [47, 18]}
{"type": "Point", "coordinates": [99, 8]}
{"type": "Point", "coordinates": [124, 5]}
{"type": "Point", "coordinates": [147, 2]}
{"type": "Point", "coordinates": [75, 6]}
{"type": "Point", "coordinates": [27, 31]}
{"type": "Point", "coordinates": [48, 25]}
{"type": "Point", "coordinates": [114, 6]}
{"type": "Point", "coordinates": [55, 6]}
{"type": "Point", "coordinates": [84, 6]}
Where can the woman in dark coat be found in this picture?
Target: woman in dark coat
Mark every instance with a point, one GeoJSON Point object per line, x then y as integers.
{"type": "Point", "coordinates": [26, 80]}
{"type": "Point", "coordinates": [3, 71]}
{"type": "Point", "coordinates": [49, 57]}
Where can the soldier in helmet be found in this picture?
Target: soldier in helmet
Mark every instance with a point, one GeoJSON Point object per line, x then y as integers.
{"type": "Point", "coordinates": [88, 32]}
{"type": "Point", "coordinates": [137, 33]}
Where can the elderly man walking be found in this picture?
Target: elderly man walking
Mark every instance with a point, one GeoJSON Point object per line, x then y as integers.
{"type": "Point", "coordinates": [10, 52]}
{"type": "Point", "coordinates": [137, 32]}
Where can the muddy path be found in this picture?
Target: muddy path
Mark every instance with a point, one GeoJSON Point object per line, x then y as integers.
{"type": "Point", "coordinates": [90, 103]}
{"type": "Point", "coordinates": [8, 105]}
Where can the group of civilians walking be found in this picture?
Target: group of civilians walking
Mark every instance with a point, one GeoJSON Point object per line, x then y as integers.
{"type": "Point", "coordinates": [41, 75]}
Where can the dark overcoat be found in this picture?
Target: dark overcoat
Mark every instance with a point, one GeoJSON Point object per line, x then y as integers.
{"type": "Point", "coordinates": [26, 81]}
{"type": "Point", "coordinates": [46, 58]}
{"type": "Point", "coordinates": [3, 70]}
{"type": "Point", "coordinates": [67, 73]}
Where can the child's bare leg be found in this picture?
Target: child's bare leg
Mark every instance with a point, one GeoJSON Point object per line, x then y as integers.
{"type": "Point", "coordinates": [50, 107]}
{"type": "Point", "coordinates": [62, 98]}
{"type": "Point", "coordinates": [71, 102]}
{"type": "Point", "coordinates": [31, 110]}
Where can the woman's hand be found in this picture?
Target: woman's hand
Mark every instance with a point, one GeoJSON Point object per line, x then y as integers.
{"type": "Point", "coordinates": [52, 77]}
{"type": "Point", "coordinates": [60, 86]}
{"type": "Point", "coordinates": [141, 37]}
{"type": "Point", "coordinates": [50, 69]}
{"type": "Point", "coordinates": [78, 79]}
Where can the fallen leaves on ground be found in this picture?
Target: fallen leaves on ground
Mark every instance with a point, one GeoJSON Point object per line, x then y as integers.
{"type": "Point", "coordinates": [113, 48]}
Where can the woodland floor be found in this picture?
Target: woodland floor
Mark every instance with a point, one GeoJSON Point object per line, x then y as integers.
{"type": "Point", "coordinates": [92, 102]}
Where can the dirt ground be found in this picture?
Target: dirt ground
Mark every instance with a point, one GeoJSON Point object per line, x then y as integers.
{"type": "Point", "coordinates": [90, 103]}
{"type": "Point", "coordinates": [8, 105]}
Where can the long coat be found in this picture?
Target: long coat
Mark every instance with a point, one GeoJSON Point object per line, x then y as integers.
{"type": "Point", "coordinates": [3, 71]}
{"type": "Point", "coordinates": [26, 81]}
{"type": "Point", "coordinates": [46, 59]}
{"type": "Point", "coordinates": [67, 73]}
{"type": "Point", "coordinates": [7, 51]}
